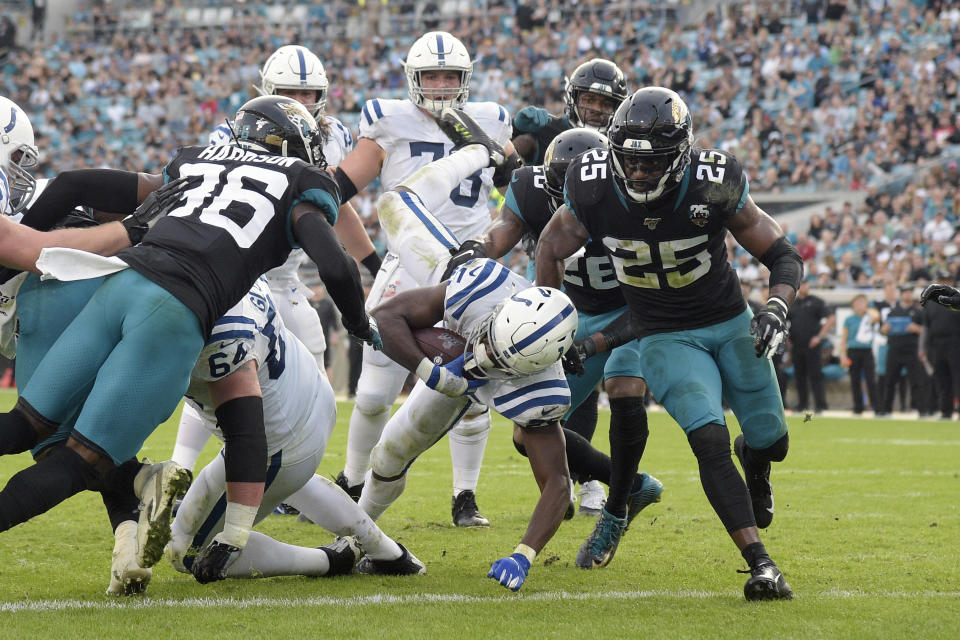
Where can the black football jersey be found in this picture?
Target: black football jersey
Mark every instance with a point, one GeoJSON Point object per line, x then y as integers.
{"type": "Point", "coordinates": [669, 256]}
{"type": "Point", "coordinates": [232, 227]}
{"type": "Point", "coordinates": [545, 135]}
{"type": "Point", "coordinates": [589, 279]}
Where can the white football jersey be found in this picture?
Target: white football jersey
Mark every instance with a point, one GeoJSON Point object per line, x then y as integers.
{"type": "Point", "coordinates": [336, 145]}
{"type": "Point", "coordinates": [412, 140]}
{"type": "Point", "coordinates": [253, 331]}
{"type": "Point", "coordinates": [473, 293]}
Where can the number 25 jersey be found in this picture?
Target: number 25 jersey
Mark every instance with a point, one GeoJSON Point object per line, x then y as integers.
{"type": "Point", "coordinates": [232, 227]}
{"type": "Point", "coordinates": [670, 256]}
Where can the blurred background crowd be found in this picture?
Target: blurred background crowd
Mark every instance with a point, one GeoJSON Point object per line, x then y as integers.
{"type": "Point", "coordinates": [843, 112]}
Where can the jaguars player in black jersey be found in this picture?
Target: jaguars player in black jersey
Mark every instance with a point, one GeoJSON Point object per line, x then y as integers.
{"type": "Point", "coordinates": [535, 193]}
{"type": "Point", "coordinates": [661, 209]}
{"type": "Point", "coordinates": [125, 361]}
{"type": "Point", "coordinates": [592, 93]}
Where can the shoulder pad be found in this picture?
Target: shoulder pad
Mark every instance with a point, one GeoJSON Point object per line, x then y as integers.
{"type": "Point", "coordinates": [719, 177]}
{"type": "Point", "coordinates": [340, 133]}
{"type": "Point", "coordinates": [376, 111]}
{"type": "Point", "coordinates": [494, 119]}
{"type": "Point", "coordinates": [579, 193]}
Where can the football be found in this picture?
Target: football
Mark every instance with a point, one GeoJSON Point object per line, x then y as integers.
{"type": "Point", "coordinates": [440, 345]}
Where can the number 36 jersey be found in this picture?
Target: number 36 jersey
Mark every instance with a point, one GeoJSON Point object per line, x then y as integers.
{"type": "Point", "coordinates": [670, 256]}
{"type": "Point", "coordinates": [231, 228]}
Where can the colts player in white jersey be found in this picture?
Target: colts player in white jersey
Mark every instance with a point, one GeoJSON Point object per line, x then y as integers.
{"type": "Point", "coordinates": [295, 72]}
{"type": "Point", "coordinates": [397, 138]}
{"type": "Point", "coordinates": [250, 349]}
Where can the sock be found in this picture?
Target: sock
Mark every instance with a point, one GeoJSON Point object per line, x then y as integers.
{"type": "Point", "coordinates": [588, 463]}
{"type": "Point", "coordinates": [191, 438]}
{"type": "Point", "coordinates": [434, 182]}
{"type": "Point", "coordinates": [755, 553]}
{"type": "Point", "coordinates": [16, 433]}
{"type": "Point", "coordinates": [379, 494]}
{"type": "Point", "coordinates": [264, 557]}
{"type": "Point", "coordinates": [370, 414]}
{"type": "Point", "coordinates": [117, 493]}
{"type": "Point", "coordinates": [468, 439]}
{"type": "Point", "coordinates": [628, 439]}
{"type": "Point", "coordinates": [325, 505]}
{"type": "Point", "coordinates": [721, 481]}
{"type": "Point", "coordinates": [44, 485]}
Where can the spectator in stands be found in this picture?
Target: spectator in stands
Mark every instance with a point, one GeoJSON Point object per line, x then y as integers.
{"type": "Point", "coordinates": [811, 321]}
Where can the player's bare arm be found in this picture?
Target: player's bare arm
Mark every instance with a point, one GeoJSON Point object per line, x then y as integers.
{"type": "Point", "coordinates": [401, 314]}
{"type": "Point", "coordinates": [560, 239]}
{"type": "Point", "coordinates": [503, 234]}
{"type": "Point", "coordinates": [20, 246]}
{"type": "Point", "coordinates": [363, 164]}
{"type": "Point", "coordinates": [349, 228]}
{"type": "Point", "coordinates": [757, 232]}
{"type": "Point", "coordinates": [526, 147]}
{"type": "Point", "coordinates": [546, 450]}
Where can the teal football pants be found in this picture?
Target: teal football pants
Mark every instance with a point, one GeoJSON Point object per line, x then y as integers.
{"type": "Point", "coordinates": [124, 362]}
{"type": "Point", "coordinates": [692, 372]}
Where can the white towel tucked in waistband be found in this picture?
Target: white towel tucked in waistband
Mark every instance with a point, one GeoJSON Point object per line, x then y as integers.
{"type": "Point", "coordinates": [72, 264]}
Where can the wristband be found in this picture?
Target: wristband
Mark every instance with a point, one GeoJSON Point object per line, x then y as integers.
{"type": "Point", "coordinates": [526, 551]}
{"type": "Point", "coordinates": [779, 302]}
{"type": "Point", "coordinates": [237, 523]}
{"type": "Point", "coordinates": [372, 263]}
{"type": "Point", "coordinates": [424, 370]}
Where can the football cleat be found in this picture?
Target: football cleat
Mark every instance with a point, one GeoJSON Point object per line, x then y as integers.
{"type": "Point", "coordinates": [758, 484]}
{"type": "Point", "coordinates": [592, 498]}
{"type": "Point", "coordinates": [649, 492]}
{"type": "Point", "coordinates": [127, 578]}
{"type": "Point", "coordinates": [343, 554]}
{"type": "Point", "coordinates": [464, 131]}
{"type": "Point", "coordinates": [465, 511]}
{"type": "Point", "coordinates": [598, 549]}
{"type": "Point", "coordinates": [285, 510]}
{"type": "Point", "coordinates": [354, 491]}
{"type": "Point", "coordinates": [766, 583]}
{"type": "Point", "coordinates": [158, 486]}
{"type": "Point", "coordinates": [406, 565]}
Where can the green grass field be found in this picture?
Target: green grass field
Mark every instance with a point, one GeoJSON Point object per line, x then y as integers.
{"type": "Point", "coordinates": [867, 532]}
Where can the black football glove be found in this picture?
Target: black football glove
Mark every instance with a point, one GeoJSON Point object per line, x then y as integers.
{"type": "Point", "coordinates": [156, 205]}
{"type": "Point", "coordinates": [942, 294]}
{"type": "Point", "coordinates": [769, 328]}
{"type": "Point", "coordinates": [211, 565]}
{"type": "Point", "coordinates": [368, 332]}
{"type": "Point", "coordinates": [468, 251]}
{"type": "Point", "coordinates": [576, 355]}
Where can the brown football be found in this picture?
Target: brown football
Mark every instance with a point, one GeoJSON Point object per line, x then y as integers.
{"type": "Point", "coordinates": [440, 345]}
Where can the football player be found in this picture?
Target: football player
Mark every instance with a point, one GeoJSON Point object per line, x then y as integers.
{"type": "Point", "coordinates": [516, 334]}
{"type": "Point", "coordinates": [661, 209]}
{"type": "Point", "coordinates": [252, 202]}
{"type": "Point", "coordinates": [295, 72]}
{"type": "Point", "coordinates": [251, 353]}
{"type": "Point", "coordinates": [398, 137]}
{"type": "Point", "coordinates": [534, 194]}
{"type": "Point", "coordinates": [592, 93]}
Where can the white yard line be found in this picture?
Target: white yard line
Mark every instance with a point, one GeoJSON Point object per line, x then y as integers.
{"type": "Point", "coordinates": [431, 598]}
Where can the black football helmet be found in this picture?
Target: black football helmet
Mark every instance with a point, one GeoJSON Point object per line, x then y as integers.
{"type": "Point", "coordinates": [598, 76]}
{"type": "Point", "coordinates": [563, 150]}
{"type": "Point", "coordinates": [279, 126]}
{"type": "Point", "coordinates": [650, 138]}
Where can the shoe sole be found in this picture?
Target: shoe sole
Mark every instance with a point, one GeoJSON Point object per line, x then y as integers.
{"type": "Point", "coordinates": [472, 524]}
{"type": "Point", "coordinates": [129, 583]}
{"type": "Point", "coordinates": [587, 511]}
{"type": "Point", "coordinates": [153, 535]}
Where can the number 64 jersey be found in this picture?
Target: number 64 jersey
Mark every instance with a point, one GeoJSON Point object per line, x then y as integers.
{"type": "Point", "coordinates": [298, 407]}
{"type": "Point", "coordinates": [670, 256]}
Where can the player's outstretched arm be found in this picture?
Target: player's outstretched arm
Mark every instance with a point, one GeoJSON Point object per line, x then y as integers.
{"type": "Point", "coordinates": [503, 234]}
{"type": "Point", "coordinates": [398, 316]}
{"type": "Point", "coordinates": [239, 411]}
{"type": "Point", "coordinates": [359, 168]}
{"type": "Point", "coordinates": [337, 270]}
{"type": "Point", "coordinates": [546, 451]}
{"type": "Point", "coordinates": [559, 240]}
{"type": "Point", "coordinates": [349, 228]}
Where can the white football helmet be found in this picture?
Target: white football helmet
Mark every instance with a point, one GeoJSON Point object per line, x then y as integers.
{"type": "Point", "coordinates": [17, 154]}
{"type": "Point", "coordinates": [525, 334]}
{"type": "Point", "coordinates": [438, 50]}
{"type": "Point", "coordinates": [295, 67]}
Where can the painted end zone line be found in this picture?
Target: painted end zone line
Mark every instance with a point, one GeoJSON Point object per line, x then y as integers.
{"type": "Point", "coordinates": [426, 598]}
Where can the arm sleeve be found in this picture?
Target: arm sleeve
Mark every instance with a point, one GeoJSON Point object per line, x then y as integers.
{"type": "Point", "coordinates": [337, 270]}
{"type": "Point", "coordinates": [102, 189]}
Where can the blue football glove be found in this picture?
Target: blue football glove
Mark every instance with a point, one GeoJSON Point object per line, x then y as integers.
{"type": "Point", "coordinates": [510, 571]}
{"type": "Point", "coordinates": [448, 379]}
{"type": "Point", "coordinates": [530, 119]}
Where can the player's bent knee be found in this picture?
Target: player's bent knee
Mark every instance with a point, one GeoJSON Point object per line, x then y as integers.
{"type": "Point", "coordinates": [710, 441]}
{"type": "Point", "coordinates": [389, 460]}
{"type": "Point", "coordinates": [472, 426]}
{"type": "Point", "coordinates": [372, 404]}
{"type": "Point", "coordinates": [778, 450]}
{"type": "Point", "coordinates": [625, 387]}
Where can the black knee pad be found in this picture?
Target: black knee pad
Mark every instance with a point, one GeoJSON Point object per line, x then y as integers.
{"type": "Point", "coordinates": [775, 452]}
{"type": "Point", "coordinates": [709, 441]}
{"type": "Point", "coordinates": [631, 413]}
